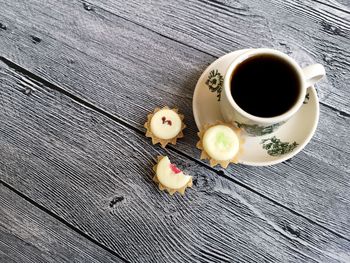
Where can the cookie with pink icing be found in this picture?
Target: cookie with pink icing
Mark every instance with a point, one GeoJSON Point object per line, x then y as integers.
{"type": "Point", "coordinates": [169, 177]}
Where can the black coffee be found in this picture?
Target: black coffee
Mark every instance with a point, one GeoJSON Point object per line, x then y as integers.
{"type": "Point", "coordinates": [265, 86]}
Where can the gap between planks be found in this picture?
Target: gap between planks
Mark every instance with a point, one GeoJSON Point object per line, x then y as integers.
{"type": "Point", "coordinates": [44, 209]}
{"type": "Point", "coordinates": [149, 29]}
{"type": "Point", "coordinates": [40, 80]}
{"type": "Point", "coordinates": [340, 112]}
{"type": "Point", "coordinates": [332, 6]}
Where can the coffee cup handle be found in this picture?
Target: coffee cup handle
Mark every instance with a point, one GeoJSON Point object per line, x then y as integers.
{"type": "Point", "coordinates": [313, 73]}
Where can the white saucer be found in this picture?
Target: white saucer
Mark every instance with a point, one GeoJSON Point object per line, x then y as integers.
{"type": "Point", "coordinates": [268, 149]}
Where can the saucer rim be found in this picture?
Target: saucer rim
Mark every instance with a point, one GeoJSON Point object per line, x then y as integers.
{"type": "Point", "coordinates": [284, 157]}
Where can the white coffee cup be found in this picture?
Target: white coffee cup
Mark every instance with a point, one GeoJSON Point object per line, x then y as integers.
{"type": "Point", "coordinates": [255, 125]}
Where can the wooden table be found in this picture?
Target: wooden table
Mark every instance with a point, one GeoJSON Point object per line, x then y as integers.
{"type": "Point", "coordinates": [77, 80]}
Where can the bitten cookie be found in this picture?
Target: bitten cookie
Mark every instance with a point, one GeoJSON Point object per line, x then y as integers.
{"type": "Point", "coordinates": [169, 177]}
{"type": "Point", "coordinates": [164, 126]}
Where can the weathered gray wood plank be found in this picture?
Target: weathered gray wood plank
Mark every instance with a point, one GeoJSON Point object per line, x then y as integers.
{"type": "Point", "coordinates": [108, 61]}
{"type": "Point", "coordinates": [307, 30]}
{"type": "Point", "coordinates": [27, 234]}
{"type": "Point", "coordinates": [74, 161]}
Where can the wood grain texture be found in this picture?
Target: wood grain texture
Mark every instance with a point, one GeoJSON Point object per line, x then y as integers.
{"type": "Point", "coordinates": [28, 234]}
{"type": "Point", "coordinates": [95, 174]}
{"type": "Point", "coordinates": [128, 70]}
{"type": "Point", "coordinates": [309, 31]}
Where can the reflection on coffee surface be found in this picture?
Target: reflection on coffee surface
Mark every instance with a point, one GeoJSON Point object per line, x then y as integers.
{"type": "Point", "coordinates": [265, 86]}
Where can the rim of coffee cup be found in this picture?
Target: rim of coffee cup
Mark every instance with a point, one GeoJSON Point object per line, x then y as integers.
{"type": "Point", "coordinates": [263, 51]}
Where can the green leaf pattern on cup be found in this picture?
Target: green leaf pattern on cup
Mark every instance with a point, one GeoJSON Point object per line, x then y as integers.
{"type": "Point", "coordinates": [275, 147]}
{"type": "Point", "coordinates": [215, 81]}
{"type": "Point", "coordinates": [256, 130]}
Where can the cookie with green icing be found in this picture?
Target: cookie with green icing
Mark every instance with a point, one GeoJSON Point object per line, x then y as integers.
{"type": "Point", "coordinates": [220, 144]}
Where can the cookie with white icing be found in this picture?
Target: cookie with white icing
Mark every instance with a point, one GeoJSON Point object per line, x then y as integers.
{"type": "Point", "coordinates": [164, 126]}
{"type": "Point", "coordinates": [169, 177]}
{"type": "Point", "coordinates": [220, 144]}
